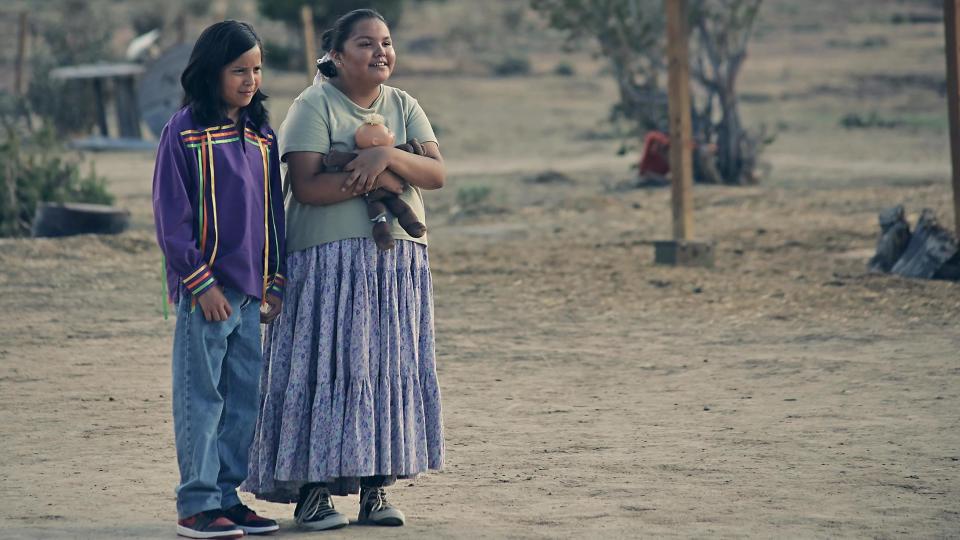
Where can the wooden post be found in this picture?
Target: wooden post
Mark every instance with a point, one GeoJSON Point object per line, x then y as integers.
{"type": "Point", "coordinates": [128, 113]}
{"type": "Point", "coordinates": [101, 106]}
{"type": "Point", "coordinates": [682, 250]}
{"type": "Point", "coordinates": [951, 19]}
{"type": "Point", "coordinates": [310, 42]}
{"type": "Point", "coordinates": [678, 83]}
{"type": "Point", "coordinates": [180, 26]}
{"type": "Point", "coordinates": [21, 52]}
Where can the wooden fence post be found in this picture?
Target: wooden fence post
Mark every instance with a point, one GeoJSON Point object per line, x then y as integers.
{"type": "Point", "coordinates": [951, 20]}
{"type": "Point", "coordinates": [678, 83]}
{"type": "Point", "coordinates": [682, 250]}
{"type": "Point", "coordinates": [310, 43]}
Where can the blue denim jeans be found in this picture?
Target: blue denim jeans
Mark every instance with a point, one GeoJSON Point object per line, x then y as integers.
{"type": "Point", "coordinates": [216, 372]}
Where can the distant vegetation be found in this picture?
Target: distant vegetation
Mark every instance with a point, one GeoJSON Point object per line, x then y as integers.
{"type": "Point", "coordinates": [34, 170]}
{"type": "Point", "coordinates": [631, 35]}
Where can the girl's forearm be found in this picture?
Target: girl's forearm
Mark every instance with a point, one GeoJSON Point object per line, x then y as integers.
{"type": "Point", "coordinates": [425, 172]}
{"type": "Point", "coordinates": [320, 189]}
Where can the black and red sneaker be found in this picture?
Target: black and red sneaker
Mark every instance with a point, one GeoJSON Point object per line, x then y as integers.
{"type": "Point", "coordinates": [249, 521]}
{"type": "Point", "coordinates": [208, 524]}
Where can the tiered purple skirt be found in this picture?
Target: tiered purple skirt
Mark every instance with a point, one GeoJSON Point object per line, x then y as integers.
{"type": "Point", "coordinates": [349, 386]}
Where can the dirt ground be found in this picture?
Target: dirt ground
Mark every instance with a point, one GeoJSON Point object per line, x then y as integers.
{"type": "Point", "coordinates": [588, 393]}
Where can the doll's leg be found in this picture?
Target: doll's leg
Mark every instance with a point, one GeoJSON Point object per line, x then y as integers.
{"type": "Point", "coordinates": [405, 216]}
{"type": "Point", "coordinates": [377, 213]}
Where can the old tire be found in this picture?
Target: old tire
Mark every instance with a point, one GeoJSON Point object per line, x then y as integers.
{"type": "Point", "coordinates": [65, 219]}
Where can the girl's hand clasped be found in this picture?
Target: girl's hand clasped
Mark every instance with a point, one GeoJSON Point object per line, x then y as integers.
{"type": "Point", "coordinates": [365, 168]}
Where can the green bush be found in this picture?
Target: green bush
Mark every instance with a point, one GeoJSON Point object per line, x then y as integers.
{"type": "Point", "coordinates": [32, 171]}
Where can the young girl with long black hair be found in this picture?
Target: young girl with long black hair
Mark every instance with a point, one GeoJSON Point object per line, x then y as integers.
{"type": "Point", "coordinates": [220, 224]}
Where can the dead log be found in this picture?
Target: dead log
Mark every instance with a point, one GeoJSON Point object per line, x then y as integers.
{"type": "Point", "coordinates": [65, 219]}
{"type": "Point", "coordinates": [929, 248]}
{"type": "Point", "coordinates": [894, 237]}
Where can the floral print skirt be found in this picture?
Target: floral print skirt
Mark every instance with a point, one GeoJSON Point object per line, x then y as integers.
{"type": "Point", "coordinates": [349, 387]}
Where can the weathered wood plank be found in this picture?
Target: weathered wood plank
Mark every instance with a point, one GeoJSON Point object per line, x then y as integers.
{"type": "Point", "coordinates": [930, 247]}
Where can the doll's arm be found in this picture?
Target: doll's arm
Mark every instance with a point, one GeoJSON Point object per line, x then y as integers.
{"type": "Point", "coordinates": [335, 160]}
{"type": "Point", "coordinates": [425, 171]}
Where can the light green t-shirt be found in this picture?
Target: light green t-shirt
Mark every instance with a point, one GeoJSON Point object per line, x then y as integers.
{"type": "Point", "coordinates": [323, 118]}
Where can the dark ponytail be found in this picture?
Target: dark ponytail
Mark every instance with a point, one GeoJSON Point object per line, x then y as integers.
{"type": "Point", "coordinates": [334, 38]}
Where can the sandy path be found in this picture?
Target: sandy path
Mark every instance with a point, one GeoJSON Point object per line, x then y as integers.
{"type": "Point", "coordinates": [587, 392]}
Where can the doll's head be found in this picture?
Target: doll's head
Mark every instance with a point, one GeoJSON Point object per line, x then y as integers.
{"type": "Point", "coordinates": [373, 132]}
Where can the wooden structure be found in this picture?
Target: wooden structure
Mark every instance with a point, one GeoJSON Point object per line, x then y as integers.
{"type": "Point", "coordinates": [951, 21]}
{"type": "Point", "coordinates": [682, 250]}
{"type": "Point", "coordinates": [122, 77]}
{"type": "Point", "coordinates": [310, 41]}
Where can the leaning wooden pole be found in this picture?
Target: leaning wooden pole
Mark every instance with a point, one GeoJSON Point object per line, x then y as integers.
{"type": "Point", "coordinates": [21, 53]}
{"type": "Point", "coordinates": [951, 19]}
{"type": "Point", "coordinates": [678, 83]}
{"type": "Point", "coordinates": [309, 41]}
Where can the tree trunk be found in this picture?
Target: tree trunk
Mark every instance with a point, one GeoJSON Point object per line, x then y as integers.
{"type": "Point", "coordinates": [729, 158]}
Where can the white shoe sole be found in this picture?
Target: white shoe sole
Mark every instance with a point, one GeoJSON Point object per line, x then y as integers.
{"type": "Point", "coordinates": [190, 533]}
{"type": "Point", "coordinates": [259, 530]}
{"type": "Point", "coordinates": [332, 522]}
{"type": "Point", "coordinates": [387, 518]}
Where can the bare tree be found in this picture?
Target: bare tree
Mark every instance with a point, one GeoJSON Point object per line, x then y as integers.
{"type": "Point", "coordinates": [723, 29]}
{"type": "Point", "coordinates": [630, 34]}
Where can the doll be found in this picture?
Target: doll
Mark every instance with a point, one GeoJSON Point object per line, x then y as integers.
{"type": "Point", "coordinates": [374, 132]}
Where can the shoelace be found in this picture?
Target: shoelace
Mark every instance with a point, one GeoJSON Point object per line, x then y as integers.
{"type": "Point", "coordinates": [317, 506]}
{"type": "Point", "coordinates": [379, 496]}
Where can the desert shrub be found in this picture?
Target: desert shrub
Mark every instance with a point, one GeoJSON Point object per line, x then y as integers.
{"type": "Point", "coordinates": [471, 198]}
{"type": "Point", "coordinates": [869, 42]}
{"type": "Point", "coordinates": [564, 69]}
{"type": "Point", "coordinates": [511, 65]}
{"type": "Point", "coordinates": [631, 35]}
{"type": "Point", "coordinates": [32, 170]}
{"type": "Point", "coordinates": [866, 121]}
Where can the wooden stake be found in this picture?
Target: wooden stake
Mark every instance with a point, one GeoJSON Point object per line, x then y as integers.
{"type": "Point", "coordinates": [678, 83]}
{"type": "Point", "coordinates": [310, 42]}
{"type": "Point", "coordinates": [951, 20]}
{"type": "Point", "coordinates": [21, 52]}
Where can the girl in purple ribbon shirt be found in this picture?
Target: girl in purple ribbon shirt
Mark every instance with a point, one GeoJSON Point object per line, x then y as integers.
{"type": "Point", "coordinates": [219, 215]}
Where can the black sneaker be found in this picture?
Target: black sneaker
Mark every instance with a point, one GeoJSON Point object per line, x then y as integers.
{"type": "Point", "coordinates": [315, 510]}
{"type": "Point", "coordinates": [249, 521]}
{"type": "Point", "coordinates": [375, 510]}
{"type": "Point", "coordinates": [208, 524]}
